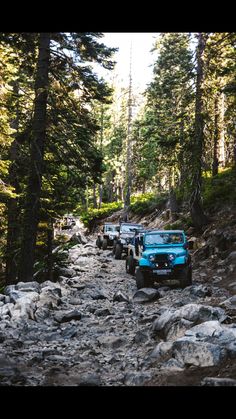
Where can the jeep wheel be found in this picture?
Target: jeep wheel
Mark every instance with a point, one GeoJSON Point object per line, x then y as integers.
{"type": "Point", "coordinates": [99, 242]}
{"type": "Point", "coordinates": [185, 277]}
{"type": "Point", "coordinates": [142, 280]}
{"type": "Point", "coordinates": [118, 251]}
{"type": "Point", "coordinates": [130, 265]}
{"type": "Point", "coordinates": [114, 247]}
{"type": "Point", "coordinates": [104, 244]}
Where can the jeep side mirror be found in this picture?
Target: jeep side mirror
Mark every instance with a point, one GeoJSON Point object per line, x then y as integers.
{"type": "Point", "coordinates": [185, 245]}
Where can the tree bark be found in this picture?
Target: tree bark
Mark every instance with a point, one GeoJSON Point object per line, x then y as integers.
{"type": "Point", "coordinates": [31, 215]}
{"type": "Point", "coordinates": [49, 251]}
{"type": "Point", "coordinates": [94, 196]}
{"type": "Point", "coordinates": [128, 149]}
{"type": "Point", "coordinates": [215, 164]}
{"type": "Point", "coordinates": [197, 214]}
{"type": "Point", "coordinates": [13, 212]}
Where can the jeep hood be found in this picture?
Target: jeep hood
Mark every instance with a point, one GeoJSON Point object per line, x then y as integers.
{"type": "Point", "coordinates": [177, 250]}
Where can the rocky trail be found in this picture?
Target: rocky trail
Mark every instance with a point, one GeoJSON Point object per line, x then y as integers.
{"type": "Point", "coordinates": [92, 327]}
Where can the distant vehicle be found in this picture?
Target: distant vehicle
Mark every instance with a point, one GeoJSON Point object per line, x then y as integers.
{"type": "Point", "coordinates": [107, 236]}
{"type": "Point", "coordinates": [163, 255]}
{"type": "Point", "coordinates": [127, 232]}
{"type": "Point", "coordinates": [68, 223]}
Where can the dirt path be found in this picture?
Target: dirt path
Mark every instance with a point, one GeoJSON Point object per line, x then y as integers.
{"type": "Point", "coordinates": [92, 327]}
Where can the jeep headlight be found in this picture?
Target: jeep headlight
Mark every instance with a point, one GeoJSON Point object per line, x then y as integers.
{"type": "Point", "coordinates": [171, 256]}
{"type": "Point", "coordinates": [152, 258]}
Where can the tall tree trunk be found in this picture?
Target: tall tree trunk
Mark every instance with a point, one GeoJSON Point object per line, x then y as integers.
{"type": "Point", "coordinates": [222, 131]}
{"type": "Point", "coordinates": [100, 196]}
{"type": "Point", "coordinates": [13, 227]}
{"type": "Point", "coordinates": [31, 216]}
{"type": "Point", "coordinates": [215, 164]}
{"type": "Point", "coordinates": [197, 214]}
{"type": "Point", "coordinates": [49, 250]}
{"type": "Point", "coordinates": [181, 152]}
{"type": "Point", "coordinates": [128, 149]}
{"type": "Point", "coordinates": [174, 209]}
{"type": "Point", "coordinates": [94, 196]}
{"type": "Point", "coordinates": [144, 187]}
{"type": "Point", "coordinates": [101, 148]}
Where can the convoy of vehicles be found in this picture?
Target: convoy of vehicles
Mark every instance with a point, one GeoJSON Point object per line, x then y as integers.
{"type": "Point", "coordinates": [151, 255]}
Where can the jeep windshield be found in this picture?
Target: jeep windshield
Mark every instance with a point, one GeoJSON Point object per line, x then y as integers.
{"type": "Point", "coordinates": [112, 228]}
{"type": "Point", "coordinates": [157, 239]}
{"type": "Point", "coordinates": [130, 229]}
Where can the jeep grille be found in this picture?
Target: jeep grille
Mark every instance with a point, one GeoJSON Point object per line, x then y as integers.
{"type": "Point", "coordinates": [162, 261]}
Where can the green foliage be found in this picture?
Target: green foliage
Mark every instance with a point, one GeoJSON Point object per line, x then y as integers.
{"type": "Point", "coordinates": [183, 223]}
{"type": "Point", "coordinates": [93, 214]}
{"type": "Point", "coordinates": [164, 130]}
{"type": "Point", "coordinates": [146, 203]}
{"type": "Point", "coordinates": [219, 190]}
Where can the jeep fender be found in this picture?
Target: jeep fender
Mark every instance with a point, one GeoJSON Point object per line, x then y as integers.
{"type": "Point", "coordinates": [144, 262]}
{"type": "Point", "coordinates": [180, 260]}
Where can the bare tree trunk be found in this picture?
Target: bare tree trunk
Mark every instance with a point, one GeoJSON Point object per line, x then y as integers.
{"type": "Point", "coordinates": [49, 251]}
{"type": "Point", "coordinates": [173, 204]}
{"type": "Point", "coordinates": [100, 196]}
{"type": "Point", "coordinates": [128, 149]}
{"type": "Point", "coordinates": [144, 187]}
{"type": "Point", "coordinates": [31, 216]}
{"type": "Point", "coordinates": [215, 164]}
{"type": "Point", "coordinates": [94, 196]}
{"type": "Point", "coordinates": [196, 210]}
{"type": "Point", "coordinates": [181, 155]}
{"type": "Point", "coordinates": [13, 227]}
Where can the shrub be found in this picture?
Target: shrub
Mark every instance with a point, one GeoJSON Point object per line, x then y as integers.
{"type": "Point", "coordinates": [146, 203]}
{"type": "Point", "coordinates": [93, 214]}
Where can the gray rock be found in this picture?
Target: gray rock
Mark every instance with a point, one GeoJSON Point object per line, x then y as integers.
{"type": "Point", "coordinates": [160, 353]}
{"type": "Point", "coordinates": [28, 286]}
{"type": "Point", "coordinates": [172, 365]}
{"type": "Point", "coordinates": [136, 378]}
{"type": "Point", "coordinates": [201, 291]}
{"type": "Point", "coordinates": [62, 317]}
{"type": "Point", "coordinates": [141, 336]}
{"type": "Point", "coordinates": [102, 312]}
{"type": "Point", "coordinates": [200, 354]}
{"type": "Point", "coordinates": [216, 382]}
{"type": "Point", "coordinates": [120, 297]}
{"type": "Point", "coordinates": [146, 294]}
{"type": "Point", "coordinates": [69, 273]}
{"type": "Point", "coordinates": [49, 297]}
{"type": "Point", "coordinates": [111, 341]}
{"type": "Point", "coordinates": [230, 303]}
{"type": "Point", "coordinates": [90, 379]}
{"type": "Point", "coordinates": [232, 257]}
{"type": "Point", "coordinates": [173, 323]}
{"type": "Point", "coordinates": [41, 314]}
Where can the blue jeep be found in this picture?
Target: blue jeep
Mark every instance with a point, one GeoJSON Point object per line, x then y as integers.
{"type": "Point", "coordinates": [164, 256]}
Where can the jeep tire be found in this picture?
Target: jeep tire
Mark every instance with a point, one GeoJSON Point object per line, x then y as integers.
{"type": "Point", "coordinates": [99, 242]}
{"type": "Point", "coordinates": [114, 247]}
{"type": "Point", "coordinates": [142, 279]}
{"type": "Point", "coordinates": [130, 265]}
{"type": "Point", "coordinates": [118, 251]}
{"type": "Point", "coordinates": [185, 277]}
{"type": "Point", "coordinates": [104, 244]}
